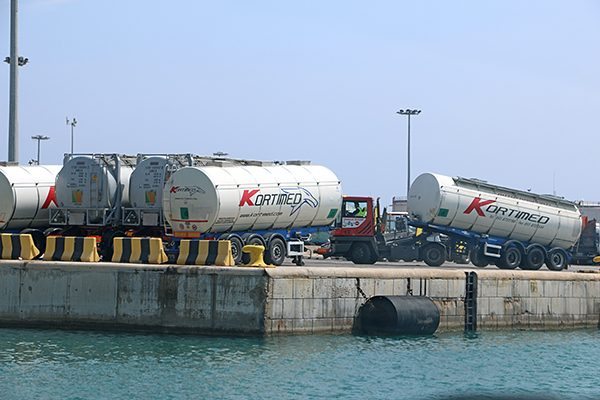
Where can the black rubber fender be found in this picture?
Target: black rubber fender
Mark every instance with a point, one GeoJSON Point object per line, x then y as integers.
{"type": "Point", "coordinates": [399, 315]}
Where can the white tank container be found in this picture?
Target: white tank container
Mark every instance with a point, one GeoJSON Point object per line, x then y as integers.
{"type": "Point", "coordinates": [88, 182]}
{"type": "Point", "coordinates": [240, 198]}
{"type": "Point", "coordinates": [147, 181]}
{"type": "Point", "coordinates": [479, 207]}
{"type": "Point", "coordinates": [26, 192]}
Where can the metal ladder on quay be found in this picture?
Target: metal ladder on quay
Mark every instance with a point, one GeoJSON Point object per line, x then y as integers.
{"type": "Point", "coordinates": [471, 301]}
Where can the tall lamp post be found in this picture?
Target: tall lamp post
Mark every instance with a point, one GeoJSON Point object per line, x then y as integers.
{"type": "Point", "coordinates": [72, 123]}
{"type": "Point", "coordinates": [39, 138]}
{"type": "Point", "coordinates": [409, 113]}
{"type": "Point", "coordinates": [15, 62]}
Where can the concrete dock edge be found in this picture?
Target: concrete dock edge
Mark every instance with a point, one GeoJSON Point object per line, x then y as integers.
{"type": "Point", "coordinates": [282, 300]}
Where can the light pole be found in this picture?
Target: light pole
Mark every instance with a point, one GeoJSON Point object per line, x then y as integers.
{"type": "Point", "coordinates": [409, 113]}
{"type": "Point", "coordinates": [15, 62]}
{"type": "Point", "coordinates": [39, 138]}
{"type": "Point", "coordinates": [72, 123]}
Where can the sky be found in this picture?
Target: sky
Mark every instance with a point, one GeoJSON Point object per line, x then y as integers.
{"type": "Point", "coordinates": [509, 90]}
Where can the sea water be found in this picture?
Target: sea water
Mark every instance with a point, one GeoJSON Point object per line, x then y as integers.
{"type": "Point", "coordinates": [57, 364]}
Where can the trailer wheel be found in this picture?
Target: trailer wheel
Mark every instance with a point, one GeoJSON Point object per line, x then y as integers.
{"type": "Point", "coordinates": [106, 243]}
{"type": "Point", "coordinates": [236, 249]}
{"type": "Point", "coordinates": [510, 258]}
{"type": "Point", "coordinates": [361, 254]}
{"type": "Point", "coordinates": [534, 259]}
{"type": "Point", "coordinates": [479, 259]}
{"type": "Point", "coordinates": [434, 254]}
{"type": "Point", "coordinates": [557, 259]}
{"type": "Point", "coordinates": [275, 253]}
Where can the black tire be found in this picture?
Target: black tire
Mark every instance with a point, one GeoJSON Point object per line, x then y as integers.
{"type": "Point", "coordinates": [361, 254]}
{"type": "Point", "coordinates": [236, 249]}
{"type": "Point", "coordinates": [39, 240]}
{"type": "Point", "coordinates": [276, 252]}
{"type": "Point", "coordinates": [557, 259]}
{"type": "Point", "coordinates": [534, 259]}
{"type": "Point", "coordinates": [107, 245]}
{"type": "Point", "coordinates": [461, 258]}
{"type": "Point", "coordinates": [255, 240]}
{"type": "Point", "coordinates": [510, 258]}
{"type": "Point", "coordinates": [52, 232]}
{"type": "Point", "coordinates": [478, 259]}
{"type": "Point", "coordinates": [434, 254]}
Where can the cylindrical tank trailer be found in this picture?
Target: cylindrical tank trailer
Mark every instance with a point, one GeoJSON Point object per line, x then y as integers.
{"type": "Point", "coordinates": [520, 218]}
{"type": "Point", "coordinates": [27, 193]}
{"type": "Point", "coordinates": [201, 200]}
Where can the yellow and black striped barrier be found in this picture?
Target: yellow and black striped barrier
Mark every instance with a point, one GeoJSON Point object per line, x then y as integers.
{"type": "Point", "coordinates": [205, 252]}
{"type": "Point", "coordinates": [139, 250]}
{"type": "Point", "coordinates": [70, 248]}
{"type": "Point", "coordinates": [15, 246]}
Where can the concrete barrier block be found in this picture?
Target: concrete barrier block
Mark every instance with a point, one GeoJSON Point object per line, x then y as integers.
{"type": "Point", "coordinates": [205, 252]}
{"type": "Point", "coordinates": [69, 248]}
{"type": "Point", "coordinates": [14, 246]}
{"type": "Point", "coordinates": [138, 250]}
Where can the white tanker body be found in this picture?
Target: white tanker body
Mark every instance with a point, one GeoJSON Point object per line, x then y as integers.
{"type": "Point", "coordinates": [27, 192]}
{"type": "Point", "coordinates": [251, 204]}
{"type": "Point", "coordinates": [509, 227]}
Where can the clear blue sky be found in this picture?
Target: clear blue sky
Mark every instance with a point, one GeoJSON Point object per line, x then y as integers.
{"type": "Point", "coordinates": [509, 90]}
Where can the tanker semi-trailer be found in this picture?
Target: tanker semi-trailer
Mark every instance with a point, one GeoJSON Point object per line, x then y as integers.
{"type": "Point", "coordinates": [506, 227]}
{"type": "Point", "coordinates": [26, 194]}
{"type": "Point", "coordinates": [258, 205]}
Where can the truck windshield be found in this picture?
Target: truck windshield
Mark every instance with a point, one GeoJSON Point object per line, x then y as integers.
{"type": "Point", "coordinates": [355, 209]}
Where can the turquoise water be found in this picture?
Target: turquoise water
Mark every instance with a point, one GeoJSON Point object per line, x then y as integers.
{"type": "Point", "coordinates": [54, 364]}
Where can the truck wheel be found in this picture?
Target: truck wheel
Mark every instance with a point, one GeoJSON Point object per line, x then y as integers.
{"type": "Point", "coordinates": [275, 254]}
{"type": "Point", "coordinates": [236, 249]}
{"type": "Point", "coordinates": [434, 254]}
{"type": "Point", "coordinates": [557, 259]}
{"type": "Point", "coordinates": [361, 254]}
{"type": "Point", "coordinates": [106, 243]}
{"type": "Point", "coordinates": [534, 259]}
{"type": "Point", "coordinates": [510, 258]}
{"type": "Point", "coordinates": [479, 259]}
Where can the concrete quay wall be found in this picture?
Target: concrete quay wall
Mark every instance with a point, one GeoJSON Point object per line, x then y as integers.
{"type": "Point", "coordinates": [282, 300]}
{"type": "Point", "coordinates": [132, 297]}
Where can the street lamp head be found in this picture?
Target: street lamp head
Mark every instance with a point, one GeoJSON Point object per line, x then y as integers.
{"type": "Point", "coordinates": [408, 112]}
{"type": "Point", "coordinates": [40, 137]}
